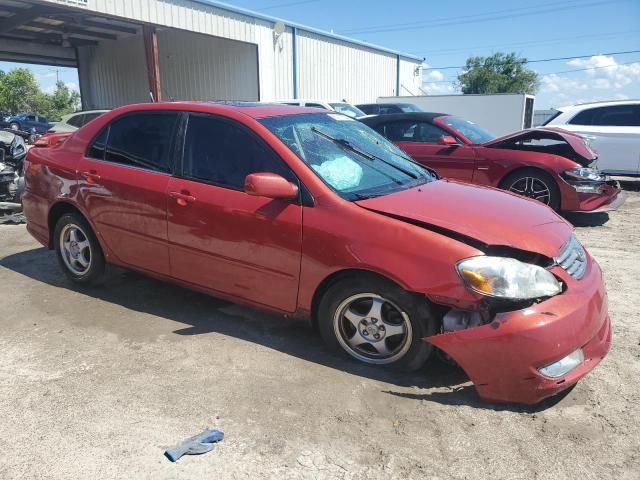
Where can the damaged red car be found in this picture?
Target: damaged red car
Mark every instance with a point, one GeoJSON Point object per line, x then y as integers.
{"type": "Point", "coordinates": [553, 166]}
{"type": "Point", "coordinates": [312, 214]}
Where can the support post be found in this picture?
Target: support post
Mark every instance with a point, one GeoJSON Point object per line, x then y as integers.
{"type": "Point", "coordinates": [294, 50]}
{"type": "Point", "coordinates": [153, 67]}
{"type": "Point", "coordinates": [397, 75]}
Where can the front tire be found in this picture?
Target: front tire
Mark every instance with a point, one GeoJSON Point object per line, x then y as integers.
{"type": "Point", "coordinates": [14, 126]}
{"type": "Point", "coordinates": [535, 184]}
{"type": "Point", "coordinates": [376, 322]}
{"type": "Point", "coordinates": [79, 253]}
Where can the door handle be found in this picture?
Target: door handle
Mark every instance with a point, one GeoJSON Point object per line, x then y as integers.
{"type": "Point", "coordinates": [91, 177]}
{"type": "Point", "coordinates": [181, 198]}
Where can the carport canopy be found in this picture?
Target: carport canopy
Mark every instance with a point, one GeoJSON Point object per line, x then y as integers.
{"type": "Point", "coordinates": [33, 32]}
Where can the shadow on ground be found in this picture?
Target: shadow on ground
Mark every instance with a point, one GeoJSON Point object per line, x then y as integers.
{"type": "Point", "coordinates": [139, 293]}
{"type": "Point", "coordinates": [629, 184]}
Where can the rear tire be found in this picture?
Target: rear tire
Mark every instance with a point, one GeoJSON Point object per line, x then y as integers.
{"type": "Point", "coordinates": [535, 184]}
{"type": "Point", "coordinates": [377, 322]}
{"type": "Point", "coordinates": [78, 250]}
{"type": "Point", "coordinates": [14, 126]}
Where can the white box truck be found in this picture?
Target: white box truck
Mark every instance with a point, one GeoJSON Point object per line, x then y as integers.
{"type": "Point", "coordinates": [499, 113]}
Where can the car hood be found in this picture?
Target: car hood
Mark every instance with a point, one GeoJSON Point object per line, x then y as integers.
{"type": "Point", "coordinates": [476, 214]}
{"type": "Point", "coordinates": [578, 143]}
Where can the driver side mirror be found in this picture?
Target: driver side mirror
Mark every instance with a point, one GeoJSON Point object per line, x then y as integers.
{"type": "Point", "coordinates": [270, 185]}
{"type": "Point", "coordinates": [447, 140]}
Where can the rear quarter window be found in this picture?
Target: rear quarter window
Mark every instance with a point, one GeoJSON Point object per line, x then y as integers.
{"type": "Point", "coordinates": [143, 140]}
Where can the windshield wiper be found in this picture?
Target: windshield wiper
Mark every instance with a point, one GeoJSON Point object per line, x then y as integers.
{"type": "Point", "coordinates": [343, 142]}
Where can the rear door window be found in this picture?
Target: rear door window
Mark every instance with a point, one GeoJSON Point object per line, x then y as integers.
{"type": "Point", "coordinates": [413, 132]}
{"type": "Point", "coordinates": [97, 147]}
{"type": "Point", "coordinates": [222, 152]}
{"type": "Point", "coordinates": [142, 140]}
{"type": "Point", "coordinates": [76, 121]}
{"type": "Point", "coordinates": [315, 105]}
{"type": "Point", "coordinates": [387, 109]}
{"type": "Point", "coordinates": [612, 116]}
{"type": "Point", "coordinates": [89, 116]}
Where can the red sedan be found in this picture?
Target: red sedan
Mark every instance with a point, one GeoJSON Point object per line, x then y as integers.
{"type": "Point", "coordinates": [312, 214]}
{"type": "Point", "coordinates": [550, 165]}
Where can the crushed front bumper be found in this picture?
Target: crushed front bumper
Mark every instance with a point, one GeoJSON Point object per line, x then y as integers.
{"type": "Point", "coordinates": [609, 197]}
{"type": "Point", "coordinates": [503, 358]}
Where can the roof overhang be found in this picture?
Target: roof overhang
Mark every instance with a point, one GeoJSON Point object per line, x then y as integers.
{"type": "Point", "coordinates": [33, 32]}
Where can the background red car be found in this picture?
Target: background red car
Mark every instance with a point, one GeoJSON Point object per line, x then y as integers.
{"type": "Point", "coordinates": [552, 166]}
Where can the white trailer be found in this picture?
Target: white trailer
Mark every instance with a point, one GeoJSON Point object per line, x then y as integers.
{"type": "Point", "coordinates": [499, 114]}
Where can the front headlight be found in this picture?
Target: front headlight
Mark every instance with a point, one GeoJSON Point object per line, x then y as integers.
{"type": "Point", "coordinates": [507, 278]}
{"type": "Point", "coordinates": [584, 173]}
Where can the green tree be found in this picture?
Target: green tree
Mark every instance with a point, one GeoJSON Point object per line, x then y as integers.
{"type": "Point", "coordinates": [19, 91]}
{"type": "Point", "coordinates": [499, 73]}
{"type": "Point", "coordinates": [62, 101]}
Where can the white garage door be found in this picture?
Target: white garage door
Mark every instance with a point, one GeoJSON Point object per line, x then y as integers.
{"type": "Point", "coordinates": [202, 67]}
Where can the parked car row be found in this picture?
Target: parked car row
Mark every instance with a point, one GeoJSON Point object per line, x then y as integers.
{"type": "Point", "coordinates": [313, 214]}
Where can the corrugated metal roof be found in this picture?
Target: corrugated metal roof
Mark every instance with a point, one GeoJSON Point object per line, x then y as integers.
{"type": "Point", "coordinates": [251, 13]}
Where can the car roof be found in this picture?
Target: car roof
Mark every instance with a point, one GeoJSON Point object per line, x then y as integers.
{"type": "Point", "coordinates": [582, 106]}
{"type": "Point", "coordinates": [386, 103]}
{"type": "Point", "coordinates": [415, 116]}
{"type": "Point", "coordinates": [251, 109]}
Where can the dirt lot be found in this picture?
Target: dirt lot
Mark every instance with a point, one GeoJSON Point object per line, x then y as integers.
{"type": "Point", "coordinates": [96, 384]}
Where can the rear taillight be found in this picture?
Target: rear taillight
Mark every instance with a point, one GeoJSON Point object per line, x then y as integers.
{"type": "Point", "coordinates": [51, 140]}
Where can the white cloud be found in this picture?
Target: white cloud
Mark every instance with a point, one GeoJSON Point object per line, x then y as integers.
{"type": "Point", "coordinates": [554, 83]}
{"type": "Point", "coordinates": [605, 72]}
{"type": "Point", "coordinates": [45, 75]}
{"type": "Point", "coordinates": [603, 78]}
{"type": "Point", "coordinates": [49, 89]}
{"type": "Point", "coordinates": [433, 76]}
{"type": "Point", "coordinates": [433, 82]}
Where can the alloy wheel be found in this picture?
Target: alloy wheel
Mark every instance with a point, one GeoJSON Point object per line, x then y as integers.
{"type": "Point", "coordinates": [531, 187]}
{"type": "Point", "coordinates": [75, 249]}
{"type": "Point", "coordinates": [372, 329]}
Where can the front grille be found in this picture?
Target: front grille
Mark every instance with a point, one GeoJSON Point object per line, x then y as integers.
{"type": "Point", "coordinates": [573, 258]}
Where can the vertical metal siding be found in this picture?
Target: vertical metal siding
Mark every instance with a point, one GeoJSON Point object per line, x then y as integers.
{"type": "Point", "coordinates": [274, 62]}
{"type": "Point", "coordinates": [328, 68]}
{"type": "Point", "coordinates": [182, 14]}
{"type": "Point", "coordinates": [201, 67]}
{"type": "Point", "coordinates": [409, 81]}
{"type": "Point", "coordinates": [113, 73]}
{"type": "Point", "coordinates": [331, 69]}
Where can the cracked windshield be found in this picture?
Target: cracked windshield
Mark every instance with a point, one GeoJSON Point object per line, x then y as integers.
{"type": "Point", "coordinates": [350, 157]}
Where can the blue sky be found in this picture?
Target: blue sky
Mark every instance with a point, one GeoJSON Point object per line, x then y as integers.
{"type": "Point", "coordinates": [445, 33]}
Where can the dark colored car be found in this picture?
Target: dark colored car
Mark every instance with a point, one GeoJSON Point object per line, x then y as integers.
{"type": "Point", "coordinates": [388, 108]}
{"type": "Point", "coordinates": [27, 122]}
{"type": "Point", "coordinates": [550, 165]}
{"type": "Point", "coordinates": [314, 215]}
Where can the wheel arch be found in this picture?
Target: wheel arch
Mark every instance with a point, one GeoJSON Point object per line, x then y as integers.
{"type": "Point", "coordinates": [536, 169]}
{"type": "Point", "coordinates": [56, 211]}
{"type": "Point", "coordinates": [339, 275]}
{"type": "Point", "coordinates": [530, 168]}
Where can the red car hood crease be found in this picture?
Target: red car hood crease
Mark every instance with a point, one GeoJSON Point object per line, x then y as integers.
{"type": "Point", "coordinates": [575, 141]}
{"type": "Point", "coordinates": [488, 215]}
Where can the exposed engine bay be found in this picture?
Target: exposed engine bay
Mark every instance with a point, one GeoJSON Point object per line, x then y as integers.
{"type": "Point", "coordinates": [13, 150]}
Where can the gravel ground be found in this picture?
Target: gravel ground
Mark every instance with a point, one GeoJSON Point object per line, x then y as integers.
{"type": "Point", "coordinates": [97, 383]}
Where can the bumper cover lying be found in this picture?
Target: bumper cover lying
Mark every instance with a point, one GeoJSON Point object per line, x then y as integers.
{"type": "Point", "coordinates": [502, 358]}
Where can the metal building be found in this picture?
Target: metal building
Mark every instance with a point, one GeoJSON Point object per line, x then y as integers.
{"type": "Point", "coordinates": [129, 50]}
